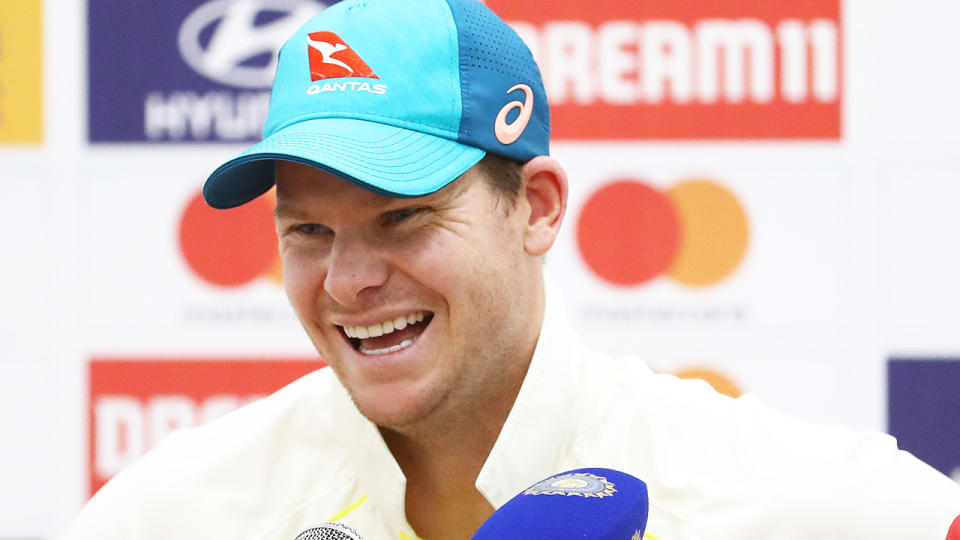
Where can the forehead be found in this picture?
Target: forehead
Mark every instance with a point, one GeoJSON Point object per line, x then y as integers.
{"type": "Point", "coordinates": [302, 187]}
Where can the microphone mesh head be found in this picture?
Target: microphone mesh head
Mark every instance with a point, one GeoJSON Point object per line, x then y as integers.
{"type": "Point", "coordinates": [329, 531]}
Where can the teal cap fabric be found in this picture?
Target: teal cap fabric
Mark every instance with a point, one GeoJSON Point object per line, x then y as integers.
{"type": "Point", "coordinates": [400, 97]}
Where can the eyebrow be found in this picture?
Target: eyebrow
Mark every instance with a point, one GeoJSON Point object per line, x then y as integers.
{"type": "Point", "coordinates": [288, 211]}
{"type": "Point", "coordinates": [384, 204]}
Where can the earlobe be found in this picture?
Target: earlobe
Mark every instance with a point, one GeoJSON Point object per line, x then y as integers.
{"type": "Point", "coordinates": [545, 194]}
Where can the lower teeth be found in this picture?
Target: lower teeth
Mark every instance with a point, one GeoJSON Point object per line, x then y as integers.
{"type": "Point", "coordinates": [402, 345]}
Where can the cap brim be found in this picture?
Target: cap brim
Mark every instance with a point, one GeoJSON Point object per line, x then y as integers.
{"type": "Point", "coordinates": [385, 159]}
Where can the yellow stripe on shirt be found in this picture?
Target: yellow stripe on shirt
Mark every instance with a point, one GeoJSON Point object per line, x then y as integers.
{"type": "Point", "coordinates": [349, 509]}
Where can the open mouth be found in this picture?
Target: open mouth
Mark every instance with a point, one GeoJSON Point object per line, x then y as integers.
{"type": "Point", "coordinates": [389, 336]}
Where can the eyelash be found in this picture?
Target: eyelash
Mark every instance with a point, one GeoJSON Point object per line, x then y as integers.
{"type": "Point", "coordinates": [399, 216]}
{"type": "Point", "coordinates": [395, 217]}
{"type": "Point", "coordinates": [310, 229]}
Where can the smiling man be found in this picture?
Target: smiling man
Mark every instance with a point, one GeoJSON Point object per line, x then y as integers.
{"type": "Point", "coordinates": [428, 310]}
{"type": "Point", "coordinates": [409, 146]}
{"type": "Point", "coordinates": [416, 303]}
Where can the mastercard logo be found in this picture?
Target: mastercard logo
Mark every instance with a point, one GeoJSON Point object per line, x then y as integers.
{"type": "Point", "coordinates": [695, 232]}
{"type": "Point", "coordinates": [230, 248]}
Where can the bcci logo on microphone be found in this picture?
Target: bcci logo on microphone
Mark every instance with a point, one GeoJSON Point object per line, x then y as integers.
{"type": "Point", "coordinates": [576, 484]}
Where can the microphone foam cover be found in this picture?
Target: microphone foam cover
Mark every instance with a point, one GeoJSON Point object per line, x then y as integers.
{"type": "Point", "coordinates": [584, 503]}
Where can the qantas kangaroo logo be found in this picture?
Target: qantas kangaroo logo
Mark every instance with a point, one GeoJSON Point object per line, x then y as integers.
{"type": "Point", "coordinates": [327, 49]}
{"type": "Point", "coordinates": [330, 58]}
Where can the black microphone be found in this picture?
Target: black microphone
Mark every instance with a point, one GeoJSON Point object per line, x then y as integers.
{"type": "Point", "coordinates": [600, 504]}
{"type": "Point", "coordinates": [331, 530]}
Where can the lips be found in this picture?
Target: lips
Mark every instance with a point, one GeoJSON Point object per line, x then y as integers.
{"type": "Point", "coordinates": [388, 336]}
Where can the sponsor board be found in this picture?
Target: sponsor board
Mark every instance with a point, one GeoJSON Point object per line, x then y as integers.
{"type": "Point", "coordinates": [135, 403]}
{"type": "Point", "coordinates": [21, 72]}
{"type": "Point", "coordinates": [197, 72]}
{"type": "Point", "coordinates": [690, 69]}
{"type": "Point", "coordinates": [619, 70]}
{"type": "Point", "coordinates": [922, 410]}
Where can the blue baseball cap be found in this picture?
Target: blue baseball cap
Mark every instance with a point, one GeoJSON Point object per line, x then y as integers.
{"type": "Point", "coordinates": [399, 97]}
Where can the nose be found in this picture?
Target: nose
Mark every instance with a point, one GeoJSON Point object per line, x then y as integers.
{"type": "Point", "coordinates": [353, 266]}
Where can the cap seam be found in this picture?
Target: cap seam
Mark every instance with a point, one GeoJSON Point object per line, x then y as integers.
{"type": "Point", "coordinates": [428, 151]}
{"type": "Point", "coordinates": [453, 66]}
{"type": "Point", "coordinates": [387, 148]}
{"type": "Point", "coordinates": [372, 144]}
{"type": "Point", "coordinates": [395, 155]}
{"type": "Point", "coordinates": [427, 129]}
{"type": "Point", "coordinates": [437, 165]}
{"type": "Point", "coordinates": [466, 105]}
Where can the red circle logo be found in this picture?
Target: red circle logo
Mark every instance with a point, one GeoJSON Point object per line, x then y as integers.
{"type": "Point", "coordinates": [230, 248]}
{"type": "Point", "coordinates": [695, 232]}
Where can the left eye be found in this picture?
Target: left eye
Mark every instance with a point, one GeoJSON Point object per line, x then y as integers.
{"type": "Point", "coordinates": [396, 217]}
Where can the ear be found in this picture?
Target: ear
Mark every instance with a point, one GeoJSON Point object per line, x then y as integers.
{"type": "Point", "coordinates": [545, 194]}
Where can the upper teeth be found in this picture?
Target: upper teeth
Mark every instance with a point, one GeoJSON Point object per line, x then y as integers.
{"type": "Point", "coordinates": [383, 328]}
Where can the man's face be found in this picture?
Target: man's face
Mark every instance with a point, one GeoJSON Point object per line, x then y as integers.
{"type": "Point", "coordinates": [421, 306]}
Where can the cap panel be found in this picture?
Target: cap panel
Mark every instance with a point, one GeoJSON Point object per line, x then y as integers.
{"type": "Point", "coordinates": [411, 49]}
{"type": "Point", "coordinates": [385, 159]}
{"type": "Point", "coordinates": [493, 60]}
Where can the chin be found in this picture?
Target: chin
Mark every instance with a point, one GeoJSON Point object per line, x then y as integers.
{"type": "Point", "coordinates": [394, 411]}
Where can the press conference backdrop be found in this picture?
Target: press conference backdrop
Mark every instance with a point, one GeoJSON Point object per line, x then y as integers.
{"type": "Point", "coordinates": [763, 194]}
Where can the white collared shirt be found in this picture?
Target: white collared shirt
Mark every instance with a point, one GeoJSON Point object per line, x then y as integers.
{"type": "Point", "coordinates": [716, 468]}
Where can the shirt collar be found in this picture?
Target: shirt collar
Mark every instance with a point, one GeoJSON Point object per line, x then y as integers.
{"type": "Point", "coordinates": [533, 444]}
{"type": "Point", "coordinates": [376, 471]}
{"type": "Point", "coordinates": [536, 438]}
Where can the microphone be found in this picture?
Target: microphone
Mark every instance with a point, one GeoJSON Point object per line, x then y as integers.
{"type": "Point", "coordinates": [593, 503]}
{"type": "Point", "coordinates": [331, 530]}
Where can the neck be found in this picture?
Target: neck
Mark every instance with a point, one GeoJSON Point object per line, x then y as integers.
{"type": "Point", "coordinates": [441, 458]}
{"type": "Point", "coordinates": [441, 467]}
{"type": "Point", "coordinates": [442, 455]}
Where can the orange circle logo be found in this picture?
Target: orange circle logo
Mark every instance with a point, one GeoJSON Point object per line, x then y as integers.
{"type": "Point", "coordinates": [695, 232]}
{"type": "Point", "coordinates": [230, 248]}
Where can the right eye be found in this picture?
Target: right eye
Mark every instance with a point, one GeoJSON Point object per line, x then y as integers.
{"type": "Point", "coordinates": [311, 229]}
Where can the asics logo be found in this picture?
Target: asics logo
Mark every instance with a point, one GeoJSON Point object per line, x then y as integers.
{"type": "Point", "coordinates": [331, 58]}
{"type": "Point", "coordinates": [508, 133]}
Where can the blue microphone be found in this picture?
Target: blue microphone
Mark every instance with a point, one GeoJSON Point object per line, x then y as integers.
{"type": "Point", "coordinates": [598, 504]}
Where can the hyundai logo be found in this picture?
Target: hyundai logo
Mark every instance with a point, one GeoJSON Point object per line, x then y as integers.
{"type": "Point", "coordinates": [236, 42]}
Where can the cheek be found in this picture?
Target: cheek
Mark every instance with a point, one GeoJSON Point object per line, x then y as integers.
{"type": "Point", "coordinates": [446, 261]}
{"type": "Point", "coordinates": [301, 281]}
{"type": "Point", "coordinates": [471, 273]}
